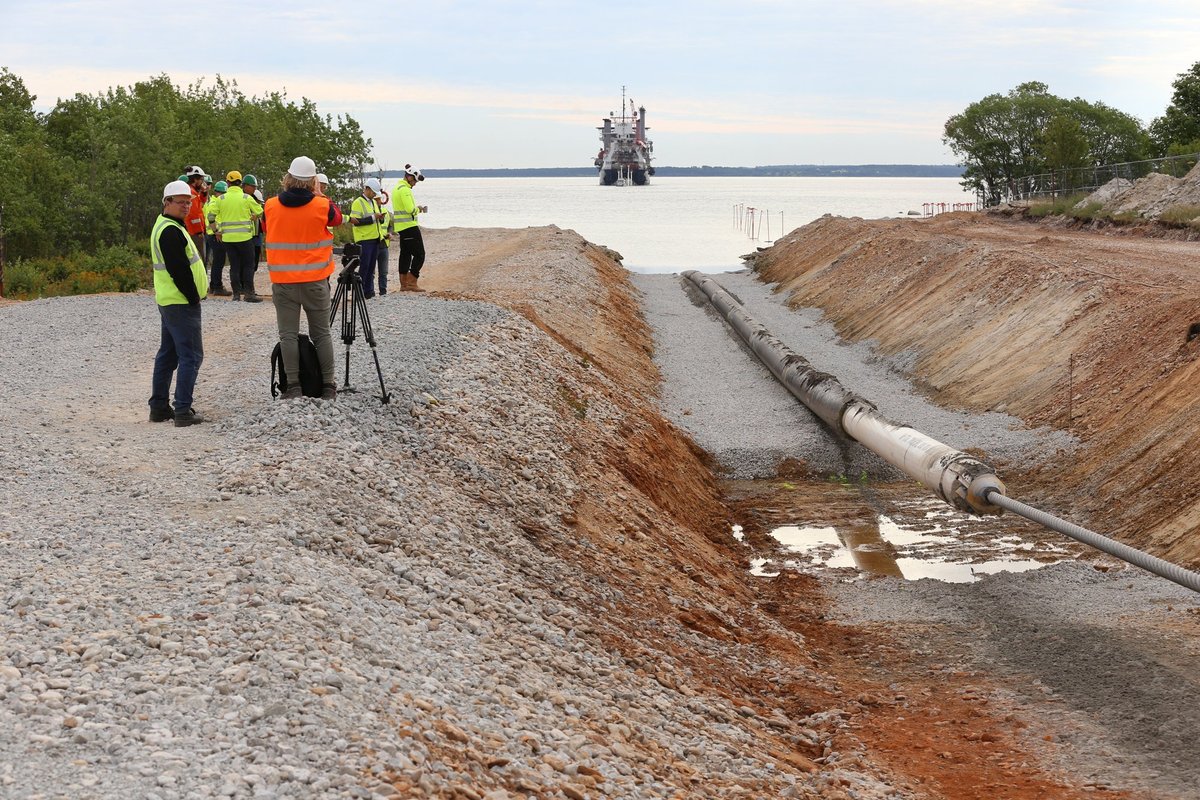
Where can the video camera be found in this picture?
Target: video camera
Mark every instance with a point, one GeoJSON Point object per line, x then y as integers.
{"type": "Point", "coordinates": [350, 257]}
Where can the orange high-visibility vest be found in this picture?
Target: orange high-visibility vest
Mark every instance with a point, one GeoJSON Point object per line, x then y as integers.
{"type": "Point", "coordinates": [299, 245]}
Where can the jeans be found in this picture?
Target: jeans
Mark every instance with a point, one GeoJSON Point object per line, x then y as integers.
{"type": "Point", "coordinates": [241, 266]}
{"type": "Point", "coordinates": [180, 348]}
{"type": "Point", "coordinates": [412, 251]}
{"type": "Point", "coordinates": [366, 265]}
{"type": "Point", "coordinates": [382, 260]}
{"type": "Point", "coordinates": [313, 297]}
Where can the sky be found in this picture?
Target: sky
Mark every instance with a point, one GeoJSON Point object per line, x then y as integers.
{"type": "Point", "coordinates": [468, 84]}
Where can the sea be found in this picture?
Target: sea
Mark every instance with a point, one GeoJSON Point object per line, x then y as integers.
{"type": "Point", "coordinates": [679, 223]}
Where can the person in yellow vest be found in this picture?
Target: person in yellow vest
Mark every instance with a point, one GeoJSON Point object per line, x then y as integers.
{"type": "Point", "coordinates": [236, 213]}
{"type": "Point", "coordinates": [385, 230]}
{"type": "Point", "coordinates": [366, 216]}
{"type": "Point", "coordinates": [215, 250]}
{"type": "Point", "coordinates": [300, 260]}
{"type": "Point", "coordinates": [180, 283]}
{"type": "Point", "coordinates": [412, 246]}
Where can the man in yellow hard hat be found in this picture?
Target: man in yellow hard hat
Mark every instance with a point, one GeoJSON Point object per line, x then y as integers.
{"type": "Point", "coordinates": [236, 213]}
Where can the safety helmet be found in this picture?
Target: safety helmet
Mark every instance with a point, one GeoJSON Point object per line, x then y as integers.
{"type": "Point", "coordinates": [258, 195]}
{"type": "Point", "coordinates": [175, 189]}
{"type": "Point", "coordinates": [409, 169]}
{"type": "Point", "coordinates": [193, 171]}
{"type": "Point", "coordinates": [302, 167]}
{"type": "Point", "coordinates": [374, 185]}
{"type": "Point", "coordinates": [233, 175]}
{"type": "Point", "coordinates": [221, 186]}
{"type": "Point", "coordinates": [250, 180]}
{"type": "Point", "coordinates": [182, 178]}
{"type": "Point", "coordinates": [321, 179]}
{"type": "Point", "coordinates": [208, 179]}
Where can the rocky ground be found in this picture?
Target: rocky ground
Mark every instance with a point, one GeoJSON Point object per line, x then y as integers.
{"type": "Point", "coordinates": [516, 579]}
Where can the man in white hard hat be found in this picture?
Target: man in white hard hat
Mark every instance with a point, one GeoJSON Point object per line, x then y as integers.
{"type": "Point", "coordinates": [405, 212]}
{"type": "Point", "coordinates": [180, 283]}
{"type": "Point", "coordinates": [300, 260]}
{"type": "Point", "coordinates": [367, 217]}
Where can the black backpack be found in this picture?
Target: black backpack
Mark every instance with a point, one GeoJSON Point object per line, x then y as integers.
{"type": "Point", "coordinates": [310, 369]}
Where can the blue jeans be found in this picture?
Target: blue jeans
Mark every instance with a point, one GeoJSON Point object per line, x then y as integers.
{"type": "Point", "coordinates": [366, 265]}
{"type": "Point", "coordinates": [180, 348]}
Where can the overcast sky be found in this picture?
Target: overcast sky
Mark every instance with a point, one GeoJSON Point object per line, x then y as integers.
{"type": "Point", "coordinates": [463, 83]}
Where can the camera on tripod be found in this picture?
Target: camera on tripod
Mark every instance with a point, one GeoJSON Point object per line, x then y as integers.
{"type": "Point", "coordinates": [350, 257]}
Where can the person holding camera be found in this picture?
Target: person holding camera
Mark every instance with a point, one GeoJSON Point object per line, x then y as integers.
{"type": "Point", "coordinates": [367, 217]}
{"type": "Point", "coordinates": [404, 223]}
{"type": "Point", "coordinates": [180, 283]}
{"type": "Point", "coordinates": [300, 259]}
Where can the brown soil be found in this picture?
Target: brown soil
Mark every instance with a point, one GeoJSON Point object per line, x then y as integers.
{"type": "Point", "coordinates": [1063, 327]}
{"type": "Point", "coordinates": [652, 522]}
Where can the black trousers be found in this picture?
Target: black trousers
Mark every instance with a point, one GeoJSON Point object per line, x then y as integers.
{"type": "Point", "coordinates": [412, 251]}
{"type": "Point", "coordinates": [241, 266]}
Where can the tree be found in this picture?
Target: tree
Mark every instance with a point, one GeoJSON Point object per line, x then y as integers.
{"type": "Point", "coordinates": [1003, 139]}
{"type": "Point", "coordinates": [1180, 123]}
{"type": "Point", "coordinates": [997, 138]}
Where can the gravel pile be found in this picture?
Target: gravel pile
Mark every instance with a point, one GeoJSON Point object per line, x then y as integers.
{"type": "Point", "coordinates": [324, 599]}
{"type": "Point", "coordinates": [741, 414]}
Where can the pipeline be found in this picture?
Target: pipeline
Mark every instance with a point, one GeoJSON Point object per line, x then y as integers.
{"type": "Point", "coordinates": [959, 479]}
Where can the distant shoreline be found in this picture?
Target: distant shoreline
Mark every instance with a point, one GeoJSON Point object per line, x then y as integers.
{"type": "Point", "coordinates": [770, 171]}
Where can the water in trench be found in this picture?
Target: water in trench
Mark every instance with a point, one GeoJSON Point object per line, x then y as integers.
{"type": "Point", "coordinates": [890, 530]}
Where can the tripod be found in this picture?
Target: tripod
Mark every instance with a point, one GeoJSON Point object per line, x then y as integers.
{"type": "Point", "coordinates": [349, 301]}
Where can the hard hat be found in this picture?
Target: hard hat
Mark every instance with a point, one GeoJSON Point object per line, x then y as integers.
{"type": "Point", "coordinates": [182, 178]}
{"type": "Point", "coordinates": [207, 178]}
{"type": "Point", "coordinates": [258, 195]}
{"type": "Point", "coordinates": [233, 175]}
{"type": "Point", "coordinates": [409, 169]}
{"type": "Point", "coordinates": [221, 186]}
{"type": "Point", "coordinates": [250, 180]}
{"type": "Point", "coordinates": [373, 185]}
{"type": "Point", "coordinates": [193, 171]}
{"type": "Point", "coordinates": [302, 167]}
{"type": "Point", "coordinates": [175, 189]}
{"type": "Point", "coordinates": [320, 177]}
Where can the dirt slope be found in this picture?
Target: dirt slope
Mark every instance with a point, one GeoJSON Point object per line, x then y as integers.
{"type": "Point", "coordinates": [1069, 328]}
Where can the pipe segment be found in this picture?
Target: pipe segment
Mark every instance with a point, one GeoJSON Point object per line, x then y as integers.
{"type": "Point", "coordinates": [959, 479]}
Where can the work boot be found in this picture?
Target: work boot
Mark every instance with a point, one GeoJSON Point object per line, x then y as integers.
{"type": "Point", "coordinates": [328, 391]}
{"type": "Point", "coordinates": [292, 393]}
{"type": "Point", "coordinates": [220, 291]}
{"type": "Point", "coordinates": [252, 298]}
{"type": "Point", "coordinates": [406, 282]}
{"type": "Point", "coordinates": [236, 296]}
{"type": "Point", "coordinates": [187, 417]}
{"type": "Point", "coordinates": [412, 284]}
{"type": "Point", "coordinates": [161, 414]}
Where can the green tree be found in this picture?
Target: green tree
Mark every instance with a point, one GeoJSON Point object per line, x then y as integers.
{"type": "Point", "coordinates": [1180, 123]}
{"type": "Point", "coordinates": [28, 170]}
{"type": "Point", "coordinates": [1064, 149]}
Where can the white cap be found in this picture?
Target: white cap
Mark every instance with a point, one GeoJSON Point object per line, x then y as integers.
{"type": "Point", "coordinates": [322, 179]}
{"type": "Point", "coordinates": [374, 185]}
{"type": "Point", "coordinates": [176, 188]}
{"type": "Point", "coordinates": [303, 167]}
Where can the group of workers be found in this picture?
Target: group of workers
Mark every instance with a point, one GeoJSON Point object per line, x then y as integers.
{"type": "Point", "coordinates": [295, 230]}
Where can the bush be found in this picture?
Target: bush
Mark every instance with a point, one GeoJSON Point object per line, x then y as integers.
{"type": "Point", "coordinates": [1059, 206]}
{"type": "Point", "coordinates": [1181, 215]}
{"type": "Point", "coordinates": [111, 269]}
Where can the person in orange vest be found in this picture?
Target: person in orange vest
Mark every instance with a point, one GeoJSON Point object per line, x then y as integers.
{"type": "Point", "coordinates": [300, 259]}
{"type": "Point", "coordinates": [194, 222]}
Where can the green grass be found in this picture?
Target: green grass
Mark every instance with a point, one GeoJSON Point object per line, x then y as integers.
{"type": "Point", "coordinates": [110, 269]}
{"type": "Point", "coordinates": [1182, 215]}
{"type": "Point", "coordinates": [1058, 207]}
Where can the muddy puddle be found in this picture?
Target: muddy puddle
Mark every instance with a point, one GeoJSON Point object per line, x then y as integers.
{"type": "Point", "coordinates": [899, 530]}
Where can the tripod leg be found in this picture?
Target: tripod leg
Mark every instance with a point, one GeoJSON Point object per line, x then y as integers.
{"type": "Point", "coordinates": [361, 303]}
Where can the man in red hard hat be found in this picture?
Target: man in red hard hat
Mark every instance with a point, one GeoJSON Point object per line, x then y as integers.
{"type": "Point", "coordinates": [300, 260]}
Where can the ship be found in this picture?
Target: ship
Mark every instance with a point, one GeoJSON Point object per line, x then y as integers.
{"type": "Point", "coordinates": [624, 157]}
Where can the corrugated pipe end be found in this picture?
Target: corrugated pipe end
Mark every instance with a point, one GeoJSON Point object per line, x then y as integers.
{"type": "Point", "coordinates": [979, 491]}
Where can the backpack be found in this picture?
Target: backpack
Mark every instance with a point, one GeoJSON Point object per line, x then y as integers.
{"type": "Point", "coordinates": [310, 369]}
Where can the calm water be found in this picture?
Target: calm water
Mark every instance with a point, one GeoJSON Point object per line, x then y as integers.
{"type": "Point", "coordinates": [674, 223]}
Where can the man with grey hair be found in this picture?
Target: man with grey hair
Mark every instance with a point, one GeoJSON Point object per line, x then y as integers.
{"type": "Point", "coordinates": [300, 260]}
